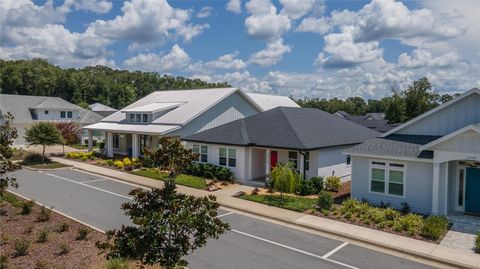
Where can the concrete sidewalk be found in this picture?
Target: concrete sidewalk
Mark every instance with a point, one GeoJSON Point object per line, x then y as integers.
{"type": "Point", "coordinates": [448, 256]}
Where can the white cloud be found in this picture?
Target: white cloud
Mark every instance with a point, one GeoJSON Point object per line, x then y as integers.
{"type": "Point", "coordinates": [24, 13]}
{"type": "Point", "coordinates": [422, 58]}
{"type": "Point", "coordinates": [176, 59]}
{"type": "Point", "coordinates": [234, 6]}
{"type": "Point", "coordinates": [205, 12]}
{"type": "Point", "coordinates": [322, 25]}
{"type": "Point", "coordinates": [296, 9]}
{"type": "Point", "coordinates": [96, 6]}
{"type": "Point", "coordinates": [225, 62]}
{"type": "Point", "coordinates": [264, 22]}
{"type": "Point", "coordinates": [271, 55]}
{"type": "Point", "coordinates": [148, 21]}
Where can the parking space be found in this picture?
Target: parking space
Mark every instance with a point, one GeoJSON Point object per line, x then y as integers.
{"type": "Point", "coordinates": [251, 243]}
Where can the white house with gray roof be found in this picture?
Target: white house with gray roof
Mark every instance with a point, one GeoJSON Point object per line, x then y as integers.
{"type": "Point", "coordinates": [432, 162]}
{"type": "Point", "coordinates": [30, 109]}
{"type": "Point", "coordinates": [311, 139]}
{"type": "Point", "coordinates": [176, 113]}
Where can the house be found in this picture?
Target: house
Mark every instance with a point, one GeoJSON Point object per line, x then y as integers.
{"type": "Point", "coordinates": [177, 113]}
{"type": "Point", "coordinates": [268, 101]}
{"type": "Point", "coordinates": [311, 139]}
{"type": "Point", "coordinates": [30, 109]}
{"type": "Point", "coordinates": [374, 121]}
{"type": "Point", "coordinates": [102, 109]}
{"type": "Point", "coordinates": [432, 162]}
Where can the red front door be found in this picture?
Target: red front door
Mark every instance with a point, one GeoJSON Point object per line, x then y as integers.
{"type": "Point", "coordinates": [273, 159]}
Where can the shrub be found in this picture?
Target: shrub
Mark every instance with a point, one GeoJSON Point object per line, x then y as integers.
{"type": "Point", "coordinates": [477, 242]}
{"type": "Point", "coordinates": [3, 262]}
{"type": "Point", "coordinates": [377, 215]}
{"type": "Point", "coordinates": [305, 187]}
{"type": "Point", "coordinates": [63, 249]}
{"type": "Point", "coordinates": [117, 264]}
{"type": "Point", "coordinates": [127, 162]}
{"type": "Point", "coordinates": [317, 183]}
{"type": "Point", "coordinates": [101, 145]}
{"type": "Point", "coordinates": [405, 208]}
{"type": "Point", "coordinates": [146, 162]}
{"type": "Point", "coordinates": [82, 233]}
{"type": "Point", "coordinates": [208, 170]}
{"type": "Point", "coordinates": [325, 200]}
{"type": "Point", "coordinates": [43, 236]}
{"type": "Point", "coordinates": [118, 164]}
{"type": "Point", "coordinates": [34, 158]}
{"type": "Point", "coordinates": [385, 205]}
{"type": "Point", "coordinates": [109, 162]}
{"type": "Point", "coordinates": [333, 184]}
{"type": "Point", "coordinates": [43, 215]}
{"type": "Point", "coordinates": [410, 223]}
{"type": "Point", "coordinates": [62, 227]}
{"type": "Point", "coordinates": [434, 227]}
{"type": "Point", "coordinates": [21, 247]}
{"type": "Point", "coordinates": [41, 264]}
{"type": "Point", "coordinates": [391, 214]}
{"type": "Point", "coordinates": [27, 207]}
{"type": "Point", "coordinates": [224, 174]}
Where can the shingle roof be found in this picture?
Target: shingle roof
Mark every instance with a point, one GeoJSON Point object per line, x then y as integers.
{"type": "Point", "coordinates": [55, 103]}
{"type": "Point", "coordinates": [89, 117]}
{"type": "Point", "coordinates": [406, 146]}
{"type": "Point", "coordinates": [289, 128]}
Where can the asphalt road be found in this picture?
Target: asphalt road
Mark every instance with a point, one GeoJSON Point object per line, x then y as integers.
{"type": "Point", "coordinates": [251, 243]}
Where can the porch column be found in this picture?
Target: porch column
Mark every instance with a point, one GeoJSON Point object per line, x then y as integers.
{"type": "Point", "coordinates": [435, 188]}
{"type": "Point", "coordinates": [90, 140]}
{"type": "Point", "coordinates": [447, 179]}
{"type": "Point", "coordinates": [267, 162]}
{"type": "Point", "coordinates": [110, 144]}
{"type": "Point", "coordinates": [135, 145]}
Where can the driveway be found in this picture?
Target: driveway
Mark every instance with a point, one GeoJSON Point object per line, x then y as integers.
{"type": "Point", "coordinates": [252, 243]}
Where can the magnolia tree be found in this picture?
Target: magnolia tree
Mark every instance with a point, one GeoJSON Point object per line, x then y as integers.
{"type": "Point", "coordinates": [168, 226]}
{"type": "Point", "coordinates": [171, 155]}
{"type": "Point", "coordinates": [8, 133]}
{"type": "Point", "coordinates": [69, 131]}
{"type": "Point", "coordinates": [43, 134]}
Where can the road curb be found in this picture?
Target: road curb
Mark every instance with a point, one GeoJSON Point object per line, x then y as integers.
{"type": "Point", "coordinates": [58, 212]}
{"type": "Point", "coordinates": [47, 169]}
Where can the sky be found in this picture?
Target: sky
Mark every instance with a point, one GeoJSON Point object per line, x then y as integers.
{"type": "Point", "coordinates": [302, 48]}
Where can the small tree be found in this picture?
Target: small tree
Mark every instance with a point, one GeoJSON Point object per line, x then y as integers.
{"type": "Point", "coordinates": [44, 134]}
{"type": "Point", "coordinates": [171, 155]}
{"type": "Point", "coordinates": [69, 131]}
{"type": "Point", "coordinates": [8, 133]}
{"type": "Point", "coordinates": [168, 226]}
{"type": "Point", "coordinates": [284, 178]}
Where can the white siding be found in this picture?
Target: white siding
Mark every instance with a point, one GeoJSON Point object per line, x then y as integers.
{"type": "Point", "coordinates": [326, 161]}
{"type": "Point", "coordinates": [418, 188]}
{"type": "Point", "coordinates": [447, 120]}
{"type": "Point", "coordinates": [54, 115]}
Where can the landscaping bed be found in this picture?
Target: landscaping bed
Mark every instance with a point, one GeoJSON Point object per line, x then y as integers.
{"type": "Point", "coordinates": [35, 160]}
{"type": "Point", "coordinates": [50, 165]}
{"type": "Point", "coordinates": [36, 241]}
{"type": "Point", "coordinates": [182, 179]}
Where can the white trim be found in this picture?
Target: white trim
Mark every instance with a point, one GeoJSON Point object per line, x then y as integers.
{"type": "Point", "coordinates": [435, 187]}
{"type": "Point", "coordinates": [432, 111]}
{"type": "Point", "coordinates": [457, 187]}
{"type": "Point", "coordinates": [387, 168]}
{"type": "Point", "coordinates": [471, 127]}
{"type": "Point", "coordinates": [389, 157]}
{"type": "Point", "coordinates": [447, 168]}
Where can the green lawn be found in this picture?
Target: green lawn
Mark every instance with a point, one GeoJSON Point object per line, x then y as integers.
{"type": "Point", "coordinates": [182, 179]}
{"type": "Point", "coordinates": [51, 165]}
{"type": "Point", "coordinates": [299, 204]}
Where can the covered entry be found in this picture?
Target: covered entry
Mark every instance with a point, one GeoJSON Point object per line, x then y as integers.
{"type": "Point", "coordinates": [472, 191]}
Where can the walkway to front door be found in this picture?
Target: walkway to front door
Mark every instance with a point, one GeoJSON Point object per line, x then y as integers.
{"type": "Point", "coordinates": [462, 233]}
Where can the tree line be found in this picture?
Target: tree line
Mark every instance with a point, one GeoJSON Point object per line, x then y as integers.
{"type": "Point", "coordinates": [88, 85]}
{"type": "Point", "coordinates": [401, 106]}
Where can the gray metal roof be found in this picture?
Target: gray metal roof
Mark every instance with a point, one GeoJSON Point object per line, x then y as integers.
{"type": "Point", "coordinates": [89, 117]}
{"type": "Point", "coordinates": [289, 128]}
{"type": "Point", "coordinates": [100, 107]}
{"type": "Point", "coordinates": [406, 146]}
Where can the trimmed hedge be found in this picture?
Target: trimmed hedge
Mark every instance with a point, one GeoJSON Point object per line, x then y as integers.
{"type": "Point", "coordinates": [208, 170]}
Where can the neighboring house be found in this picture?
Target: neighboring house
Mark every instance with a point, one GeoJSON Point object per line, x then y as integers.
{"type": "Point", "coordinates": [177, 113]}
{"type": "Point", "coordinates": [30, 109]}
{"type": "Point", "coordinates": [311, 139]}
{"type": "Point", "coordinates": [102, 109]}
{"type": "Point", "coordinates": [432, 162]}
{"type": "Point", "coordinates": [374, 121]}
{"type": "Point", "coordinates": [267, 101]}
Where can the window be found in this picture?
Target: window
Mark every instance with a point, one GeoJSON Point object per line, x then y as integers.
{"type": "Point", "coordinates": [132, 117]}
{"type": "Point", "coordinates": [202, 153]}
{"type": "Point", "coordinates": [46, 112]}
{"type": "Point", "coordinates": [307, 161]}
{"type": "Point", "coordinates": [62, 114]}
{"type": "Point", "coordinates": [144, 118]}
{"type": "Point", "coordinates": [227, 156]}
{"type": "Point", "coordinates": [387, 178]}
{"type": "Point", "coordinates": [293, 158]}
{"type": "Point", "coordinates": [222, 159]}
{"type": "Point", "coordinates": [461, 177]}
{"type": "Point", "coordinates": [349, 160]}
{"type": "Point", "coordinates": [138, 117]}
{"type": "Point", "coordinates": [69, 114]}
{"type": "Point", "coordinates": [116, 141]}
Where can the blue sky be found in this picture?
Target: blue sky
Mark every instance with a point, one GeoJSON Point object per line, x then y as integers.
{"type": "Point", "coordinates": [310, 48]}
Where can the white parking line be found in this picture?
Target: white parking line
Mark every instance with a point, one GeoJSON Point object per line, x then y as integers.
{"type": "Point", "coordinates": [94, 180]}
{"type": "Point", "coordinates": [293, 249]}
{"type": "Point", "coordinates": [86, 185]}
{"type": "Point", "coordinates": [335, 250]}
{"type": "Point", "coordinates": [225, 214]}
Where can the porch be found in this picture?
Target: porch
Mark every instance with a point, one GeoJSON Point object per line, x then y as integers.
{"type": "Point", "coordinates": [128, 144]}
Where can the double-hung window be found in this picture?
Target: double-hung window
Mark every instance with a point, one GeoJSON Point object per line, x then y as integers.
{"type": "Point", "coordinates": [202, 152]}
{"type": "Point", "coordinates": [387, 178]}
{"type": "Point", "coordinates": [62, 114]}
{"type": "Point", "coordinates": [144, 117]}
{"type": "Point", "coordinates": [69, 114]}
{"type": "Point", "coordinates": [307, 161]}
{"type": "Point", "coordinates": [227, 157]}
{"type": "Point", "coordinates": [293, 158]}
{"type": "Point", "coordinates": [116, 141]}
{"type": "Point", "coordinates": [138, 117]}
{"type": "Point", "coordinates": [131, 117]}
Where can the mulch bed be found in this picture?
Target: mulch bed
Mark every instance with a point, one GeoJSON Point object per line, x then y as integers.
{"type": "Point", "coordinates": [14, 226]}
